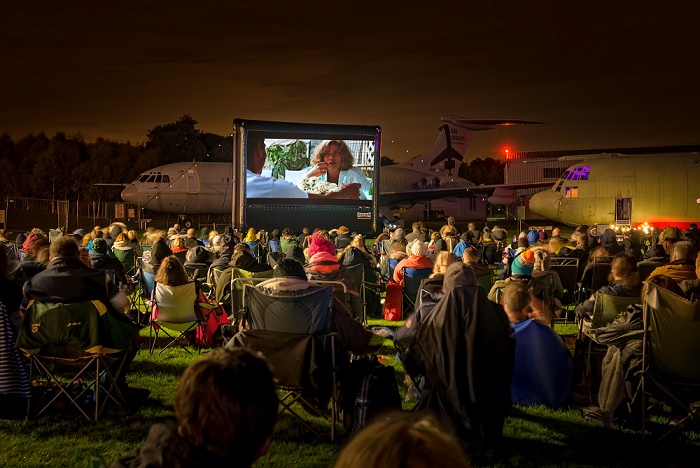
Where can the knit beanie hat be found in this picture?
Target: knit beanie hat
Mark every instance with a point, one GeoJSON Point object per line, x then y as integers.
{"type": "Point", "coordinates": [320, 244]}
{"type": "Point", "coordinates": [532, 237]}
{"type": "Point", "coordinates": [99, 246]}
{"type": "Point", "coordinates": [523, 264]}
{"type": "Point", "coordinates": [399, 234]}
{"type": "Point", "coordinates": [419, 248]}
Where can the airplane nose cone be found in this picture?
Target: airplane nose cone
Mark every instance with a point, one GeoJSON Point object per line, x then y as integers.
{"type": "Point", "coordinates": [130, 194]}
{"type": "Point", "coordinates": [545, 204]}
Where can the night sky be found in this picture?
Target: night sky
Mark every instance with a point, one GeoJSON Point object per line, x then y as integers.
{"type": "Point", "coordinates": [601, 74]}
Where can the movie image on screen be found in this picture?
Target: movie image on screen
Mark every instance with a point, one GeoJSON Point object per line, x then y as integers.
{"type": "Point", "coordinates": [323, 170]}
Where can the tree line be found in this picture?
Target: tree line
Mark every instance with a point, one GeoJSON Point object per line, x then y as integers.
{"type": "Point", "coordinates": [66, 167]}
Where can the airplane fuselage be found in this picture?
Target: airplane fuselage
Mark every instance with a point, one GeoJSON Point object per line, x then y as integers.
{"type": "Point", "coordinates": [608, 189]}
{"type": "Point", "coordinates": [183, 188]}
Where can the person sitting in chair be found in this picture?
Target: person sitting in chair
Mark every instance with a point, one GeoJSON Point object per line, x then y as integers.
{"type": "Point", "coordinates": [226, 408]}
{"type": "Point", "coordinates": [68, 280]}
{"type": "Point", "coordinates": [290, 276]}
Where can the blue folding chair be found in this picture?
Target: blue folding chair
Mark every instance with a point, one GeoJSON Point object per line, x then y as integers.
{"type": "Point", "coordinates": [412, 279]}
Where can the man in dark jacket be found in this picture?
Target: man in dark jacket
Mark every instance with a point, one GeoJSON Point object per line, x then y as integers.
{"type": "Point", "coordinates": [226, 407]}
{"type": "Point", "coordinates": [68, 280]}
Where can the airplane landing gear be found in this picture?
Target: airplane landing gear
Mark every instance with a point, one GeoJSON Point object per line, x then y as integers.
{"type": "Point", "coordinates": [186, 222]}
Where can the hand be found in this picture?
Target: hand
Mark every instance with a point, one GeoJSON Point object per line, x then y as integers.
{"type": "Point", "coordinates": [318, 170]}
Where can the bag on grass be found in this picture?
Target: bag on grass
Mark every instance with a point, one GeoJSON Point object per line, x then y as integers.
{"type": "Point", "coordinates": [393, 302]}
{"type": "Point", "coordinates": [374, 389]}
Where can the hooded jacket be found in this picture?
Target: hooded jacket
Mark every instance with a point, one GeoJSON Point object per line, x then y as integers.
{"type": "Point", "coordinates": [164, 447]}
{"type": "Point", "coordinates": [466, 352]}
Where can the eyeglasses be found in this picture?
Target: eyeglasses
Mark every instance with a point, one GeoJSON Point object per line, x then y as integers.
{"type": "Point", "coordinates": [334, 153]}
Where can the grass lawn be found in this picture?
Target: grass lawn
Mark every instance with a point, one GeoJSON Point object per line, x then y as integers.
{"type": "Point", "coordinates": [534, 436]}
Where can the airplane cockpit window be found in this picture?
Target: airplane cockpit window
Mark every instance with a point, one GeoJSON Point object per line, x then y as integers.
{"type": "Point", "coordinates": [159, 179]}
{"type": "Point", "coordinates": [151, 178]}
{"type": "Point", "coordinates": [143, 178]}
{"type": "Point", "coordinates": [578, 173]}
{"type": "Point", "coordinates": [166, 179]}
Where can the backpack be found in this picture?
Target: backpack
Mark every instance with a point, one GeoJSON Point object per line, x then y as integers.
{"type": "Point", "coordinates": [371, 390]}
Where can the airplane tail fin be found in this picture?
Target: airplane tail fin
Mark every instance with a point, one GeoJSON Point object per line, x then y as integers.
{"type": "Point", "coordinates": [455, 134]}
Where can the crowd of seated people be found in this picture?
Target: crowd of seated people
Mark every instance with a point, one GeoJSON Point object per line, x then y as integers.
{"type": "Point", "coordinates": [325, 255]}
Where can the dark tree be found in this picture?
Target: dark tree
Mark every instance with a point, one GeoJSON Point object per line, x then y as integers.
{"type": "Point", "coordinates": [483, 171]}
{"type": "Point", "coordinates": [177, 141]}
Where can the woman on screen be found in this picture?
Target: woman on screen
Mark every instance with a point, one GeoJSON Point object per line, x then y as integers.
{"type": "Point", "coordinates": [333, 163]}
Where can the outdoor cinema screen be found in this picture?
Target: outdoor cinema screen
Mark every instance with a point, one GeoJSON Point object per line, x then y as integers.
{"type": "Point", "coordinates": [285, 165]}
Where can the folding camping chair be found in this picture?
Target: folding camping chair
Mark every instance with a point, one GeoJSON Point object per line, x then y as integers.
{"type": "Point", "coordinates": [593, 278]}
{"type": "Point", "coordinates": [76, 353]}
{"type": "Point", "coordinates": [175, 314]}
{"type": "Point", "coordinates": [567, 269]}
{"type": "Point", "coordinates": [670, 374]}
{"type": "Point", "coordinates": [606, 309]}
{"type": "Point", "coordinates": [412, 279]}
{"type": "Point", "coordinates": [295, 332]}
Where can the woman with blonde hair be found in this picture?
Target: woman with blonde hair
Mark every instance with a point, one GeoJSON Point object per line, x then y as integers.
{"type": "Point", "coordinates": [433, 283]}
{"type": "Point", "coordinates": [251, 236]}
{"type": "Point", "coordinates": [404, 439]}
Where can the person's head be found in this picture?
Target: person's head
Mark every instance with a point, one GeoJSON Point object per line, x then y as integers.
{"type": "Point", "coordinates": [443, 259]}
{"type": "Point", "coordinates": [171, 272]}
{"type": "Point", "coordinates": [416, 226]}
{"type": "Point", "coordinates": [471, 226]}
{"type": "Point", "coordinates": [523, 264]}
{"type": "Point", "coordinates": [85, 240]}
{"type": "Point", "coordinates": [458, 274]}
{"type": "Point", "coordinates": [542, 261]}
{"type": "Point", "coordinates": [533, 236]}
{"type": "Point", "coordinates": [132, 235]}
{"type": "Point", "coordinates": [172, 232]}
{"type": "Point", "coordinates": [523, 242]}
{"type": "Point", "coordinates": [666, 282]}
{"type": "Point", "coordinates": [289, 267]}
{"type": "Point", "coordinates": [435, 236]}
{"type": "Point", "coordinates": [343, 230]}
{"type": "Point", "coordinates": [178, 242]}
{"type": "Point", "coordinates": [683, 251]}
{"type": "Point", "coordinates": [256, 153]}
{"type": "Point", "coordinates": [358, 241]}
{"type": "Point", "coordinates": [122, 237]}
{"type": "Point", "coordinates": [242, 247]}
{"type": "Point", "coordinates": [624, 267]}
{"type": "Point", "coordinates": [600, 251]}
{"type": "Point", "coordinates": [467, 236]}
{"type": "Point", "coordinates": [38, 244]}
{"type": "Point", "coordinates": [226, 402]}
{"type": "Point", "coordinates": [287, 232]}
{"type": "Point", "coordinates": [419, 248]}
{"type": "Point", "coordinates": [64, 247]}
{"type": "Point", "coordinates": [451, 221]}
{"type": "Point", "coordinates": [321, 244]}
{"type": "Point", "coordinates": [515, 300]}
{"type": "Point", "coordinates": [296, 252]}
{"type": "Point", "coordinates": [191, 232]}
{"type": "Point", "coordinates": [99, 246]}
{"type": "Point", "coordinates": [403, 439]}
{"type": "Point", "coordinates": [85, 256]}
{"type": "Point", "coordinates": [212, 234]}
{"type": "Point", "coordinates": [556, 232]}
{"type": "Point", "coordinates": [43, 254]}
{"type": "Point", "coordinates": [470, 255]}
{"type": "Point", "coordinates": [334, 152]}
{"type": "Point", "coordinates": [399, 234]}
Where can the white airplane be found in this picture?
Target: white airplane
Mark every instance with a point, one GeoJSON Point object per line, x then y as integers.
{"type": "Point", "coordinates": [187, 188]}
{"type": "Point", "coordinates": [661, 190]}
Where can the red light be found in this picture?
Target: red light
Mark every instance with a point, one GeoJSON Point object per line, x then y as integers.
{"type": "Point", "coordinates": [506, 152]}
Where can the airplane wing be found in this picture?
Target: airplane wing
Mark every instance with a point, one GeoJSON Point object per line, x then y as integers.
{"type": "Point", "coordinates": [502, 191]}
